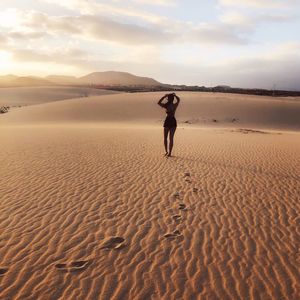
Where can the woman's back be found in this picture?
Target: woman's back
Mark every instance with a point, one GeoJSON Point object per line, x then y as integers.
{"type": "Point", "coordinates": [171, 109]}
{"type": "Point", "coordinates": [170, 123]}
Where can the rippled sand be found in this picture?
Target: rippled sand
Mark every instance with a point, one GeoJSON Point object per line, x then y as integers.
{"type": "Point", "coordinates": [91, 211]}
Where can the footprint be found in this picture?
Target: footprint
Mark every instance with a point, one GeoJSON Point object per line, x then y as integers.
{"type": "Point", "coordinates": [176, 195]}
{"type": "Point", "coordinates": [73, 266]}
{"type": "Point", "coordinates": [78, 265]}
{"type": "Point", "coordinates": [3, 271]}
{"type": "Point", "coordinates": [177, 217]}
{"type": "Point", "coordinates": [114, 243]}
{"type": "Point", "coordinates": [187, 174]}
{"type": "Point", "coordinates": [61, 266]}
{"type": "Point", "coordinates": [188, 181]}
{"type": "Point", "coordinates": [175, 234]}
{"type": "Point", "coordinates": [195, 190]}
{"type": "Point", "coordinates": [182, 207]}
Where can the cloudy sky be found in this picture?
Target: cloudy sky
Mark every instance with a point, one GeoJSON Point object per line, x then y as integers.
{"type": "Point", "coordinates": [246, 43]}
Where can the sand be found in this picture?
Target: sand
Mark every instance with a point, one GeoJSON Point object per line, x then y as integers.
{"type": "Point", "coordinates": [197, 109]}
{"type": "Point", "coordinates": [23, 96]}
{"type": "Point", "coordinates": [90, 208]}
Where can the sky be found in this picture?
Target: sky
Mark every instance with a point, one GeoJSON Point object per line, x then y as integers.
{"type": "Point", "coordinates": [241, 43]}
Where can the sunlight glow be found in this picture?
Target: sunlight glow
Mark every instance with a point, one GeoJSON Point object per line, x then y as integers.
{"type": "Point", "coordinates": [9, 18]}
{"type": "Point", "coordinates": [231, 42]}
{"type": "Point", "coordinates": [5, 60]}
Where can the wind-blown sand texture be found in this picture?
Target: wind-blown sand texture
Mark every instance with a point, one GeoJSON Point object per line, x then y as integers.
{"type": "Point", "coordinates": [90, 208]}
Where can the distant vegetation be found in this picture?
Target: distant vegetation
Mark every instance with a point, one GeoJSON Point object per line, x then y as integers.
{"type": "Point", "coordinates": [216, 89]}
{"type": "Point", "coordinates": [126, 82]}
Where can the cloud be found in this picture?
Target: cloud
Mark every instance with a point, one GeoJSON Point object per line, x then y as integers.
{"type": "Point", "coordinates": [262, 73]}
{"type": "Point", "coordinates": [65, 56]}
{"type": "Point", "coordinates": [215, 34]}
{"type": "Point", "coordinates": [51, 23]}
{"type": "Point", "coordinates": [93, 7]}
{"type": "Point", "coordinates": [3, 40]}
{"type": "Point", "coordinates": [113, 27]}
{"type": "Point", "coordinates": [249, 22]}
{"type": "Point", "coordinates": [105, 29]}
{"type": "Point", "coordinates": [89, 35]}
{"type": "Point", "coordinates": [10, 18]}
{"type": "Point", "coordinates": [19, 35]}
{"type": "Point", "coordinates": [157, 2]}
{"type": "Point", "coordinates": [269, 4]}
{"type": "Point", "coordinates": [280, 66]}
{"type": "Point", "coordinates": [101, 28]}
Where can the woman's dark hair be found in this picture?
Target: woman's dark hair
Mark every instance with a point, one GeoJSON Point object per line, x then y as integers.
{"type": "Point", "coordinates": [170, 98]}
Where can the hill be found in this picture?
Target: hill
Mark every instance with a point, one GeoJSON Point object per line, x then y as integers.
{"type": "Point", "coordinates": [65, 80]}
{"type": "Point", "coordinates": [197, 109]}
{"type": "Point", "coordinates": [30, 95]}
{"type": "Point", "coordinates": [126, 82]}
{"type": "Point", "coordinates": [8, 78]}
{"type": "Point", "coordinates": [30, 81]}
{"type": "Point", "coordinates": [118, 78]}
{"type": "Point", "coordinates": [101, 79]}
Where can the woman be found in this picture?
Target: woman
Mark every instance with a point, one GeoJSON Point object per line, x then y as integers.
{"type": "Point", "coordinates": [170, 123]}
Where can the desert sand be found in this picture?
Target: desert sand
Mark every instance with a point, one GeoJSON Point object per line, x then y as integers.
{"type": "Point", "coordinates": [91, 209]}
{"type": "Point", "coordinates": [23, 96]}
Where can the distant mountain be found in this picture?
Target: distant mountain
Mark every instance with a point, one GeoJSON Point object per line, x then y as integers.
{"type": "Point", "coordinates": [61, 79]}
{"type": "Point", "coordinates": [225, 87]}
{"type": "Point", "coordinates": [109, 78]}
{"type": "Point", "coordinates": [30, 81]}
{"type": "Point", "coordinates": [7, 78]}
{"type": "Point", "coordinates": [118, 78]}
{"type": "Point", "coordinates": [126, 82]}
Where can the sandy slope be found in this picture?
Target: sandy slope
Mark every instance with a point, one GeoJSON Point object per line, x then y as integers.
{"type": "Point", "coordinates": [21, 96]}
{"type": "Point", "coordinates": [90, 211]}
{"type": "Point", "coordinates": [196, 109]}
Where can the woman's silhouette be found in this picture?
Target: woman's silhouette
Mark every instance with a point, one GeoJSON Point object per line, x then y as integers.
{"type": "Point", "coordinates": [170, 123]}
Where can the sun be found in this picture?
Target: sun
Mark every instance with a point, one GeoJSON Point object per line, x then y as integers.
{"type": "Point", "coordinates": [5, 60]}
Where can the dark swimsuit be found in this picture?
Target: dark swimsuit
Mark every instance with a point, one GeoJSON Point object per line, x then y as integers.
{"type": "Point", "coordinates": [170, 120]}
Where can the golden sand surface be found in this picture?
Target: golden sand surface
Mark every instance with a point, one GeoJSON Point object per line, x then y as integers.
{"type": "Point", "coordinates": [91, 209]}
{"type": "Point", "coordinates": [196, 109]}
{"type": "Point", "coordinates": [23, 96]}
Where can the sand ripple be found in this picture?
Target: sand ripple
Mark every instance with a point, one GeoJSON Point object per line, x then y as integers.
{"type": "Point", "coordinates": [90, 213]}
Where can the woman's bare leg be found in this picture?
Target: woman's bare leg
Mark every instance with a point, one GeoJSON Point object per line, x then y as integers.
{"type": "Point", "coordinates": [172, 132]}
{"type": "Point", "coordinates": [166, 131]}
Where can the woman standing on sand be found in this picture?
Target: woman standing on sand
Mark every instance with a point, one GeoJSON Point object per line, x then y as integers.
{"type": "Point", "coordinates": [170, 123]}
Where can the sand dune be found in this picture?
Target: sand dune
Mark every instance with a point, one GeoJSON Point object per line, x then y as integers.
{"type": "Point", "coordinates": [20, 96]}
{"type": "Point", "coordinates": [91, 211]}
{"type": "Point", "coordinates": [197, 109]}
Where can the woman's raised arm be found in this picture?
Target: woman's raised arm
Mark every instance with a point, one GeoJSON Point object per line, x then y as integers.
{"type": "Point", "coordinates": [177, 98]}
{"type": "Point", "coordinates": [161, 100]}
